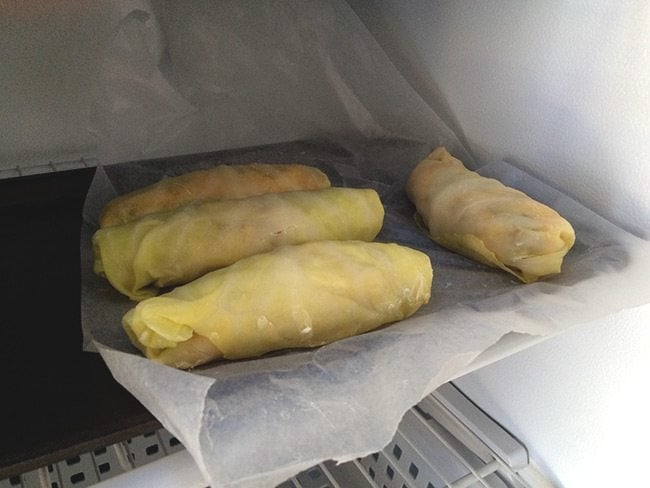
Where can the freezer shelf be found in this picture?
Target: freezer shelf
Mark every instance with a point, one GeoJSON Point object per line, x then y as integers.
{"type": "Point", "coordinates": [444, 441]}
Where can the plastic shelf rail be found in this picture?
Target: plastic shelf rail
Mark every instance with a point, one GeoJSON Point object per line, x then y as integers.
{"type": "Point", "coordinates": [445, 441]}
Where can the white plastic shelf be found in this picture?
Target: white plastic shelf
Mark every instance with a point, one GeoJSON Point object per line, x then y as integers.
{"type": "Point", "coordinates": [49, 167]}
{"type": "Point", "coordinates": [92, 468]}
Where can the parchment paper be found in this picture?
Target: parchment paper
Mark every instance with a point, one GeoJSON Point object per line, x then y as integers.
{"type": "Point", "coordinates": [191, 77]}
{"type": "Point", "coordinates": [258, 422]}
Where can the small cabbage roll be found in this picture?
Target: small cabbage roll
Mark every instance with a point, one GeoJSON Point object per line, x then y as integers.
{"type": "Point", "coordinates": [170, 248]}
{"type": "Point", "coordinates": [487, 221]}
{"type": "Point", "coordinates": [223, 182]}
{"type": "Point", "coordinates": [297, 296]}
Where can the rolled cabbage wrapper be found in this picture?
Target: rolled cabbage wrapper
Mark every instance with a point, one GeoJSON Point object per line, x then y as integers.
{"type": "Point", "coordinates": [170, 248]}
{"type": "Point", "coordinates": [487, 221]}
{"type": "Point", "coordinates": [223, 182]}
{"type": "Point", "coordinates": [297, 296]}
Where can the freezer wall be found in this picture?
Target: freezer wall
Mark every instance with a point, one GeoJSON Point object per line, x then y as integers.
{"type": "Point", "coordinates": [50, 54]}
{"type": "Point", "coordinates": [559, 88]}
{"type": "Point", "coordinates": [563, 90]}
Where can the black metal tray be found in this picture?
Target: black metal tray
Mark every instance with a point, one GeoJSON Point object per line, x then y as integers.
{"type": "Point", "coordinates": [57, 401]}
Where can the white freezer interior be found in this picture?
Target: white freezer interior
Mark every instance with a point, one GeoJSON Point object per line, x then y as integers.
{"type": "Point", "coordinates": [561, 89]}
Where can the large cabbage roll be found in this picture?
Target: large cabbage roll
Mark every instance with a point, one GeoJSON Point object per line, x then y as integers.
{"type": "Point", "coordinates": [292, 297]}
{"type": "Point", "coordinates": [487, 221]}
{"type": "Point", "coordinates": [174, 247]}
{"type": "Point", "coordinates": [223, 182]}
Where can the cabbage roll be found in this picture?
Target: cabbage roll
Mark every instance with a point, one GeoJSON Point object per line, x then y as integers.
{"type": "Point", "coordinates": [296, 296]}
{"type": "Point", "coordinates": [222, 182]}
{"type": "Point", "coordinates": [487, 221]}
{"type": "Point", "coordinates": [170, 248]}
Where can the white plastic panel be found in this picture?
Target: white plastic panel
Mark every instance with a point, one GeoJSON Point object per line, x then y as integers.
{"type": "Point", "coordinates": [49, 51]}
{"type": "Point", "coordinates": [111, 461]}
{"type": "Point", "coordinates": [78, 471]}
{"type": "Point", "coordinates": [144, 449]}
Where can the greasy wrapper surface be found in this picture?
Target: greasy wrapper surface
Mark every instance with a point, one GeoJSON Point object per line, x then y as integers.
{"type": "Point", "coordinates": [258, 422]}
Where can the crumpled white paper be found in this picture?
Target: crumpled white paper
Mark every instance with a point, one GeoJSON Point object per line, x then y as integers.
{"type": "Point", "coordinates": [258, 422]}
{"type": "Point", "coordinates": [186, 78]}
